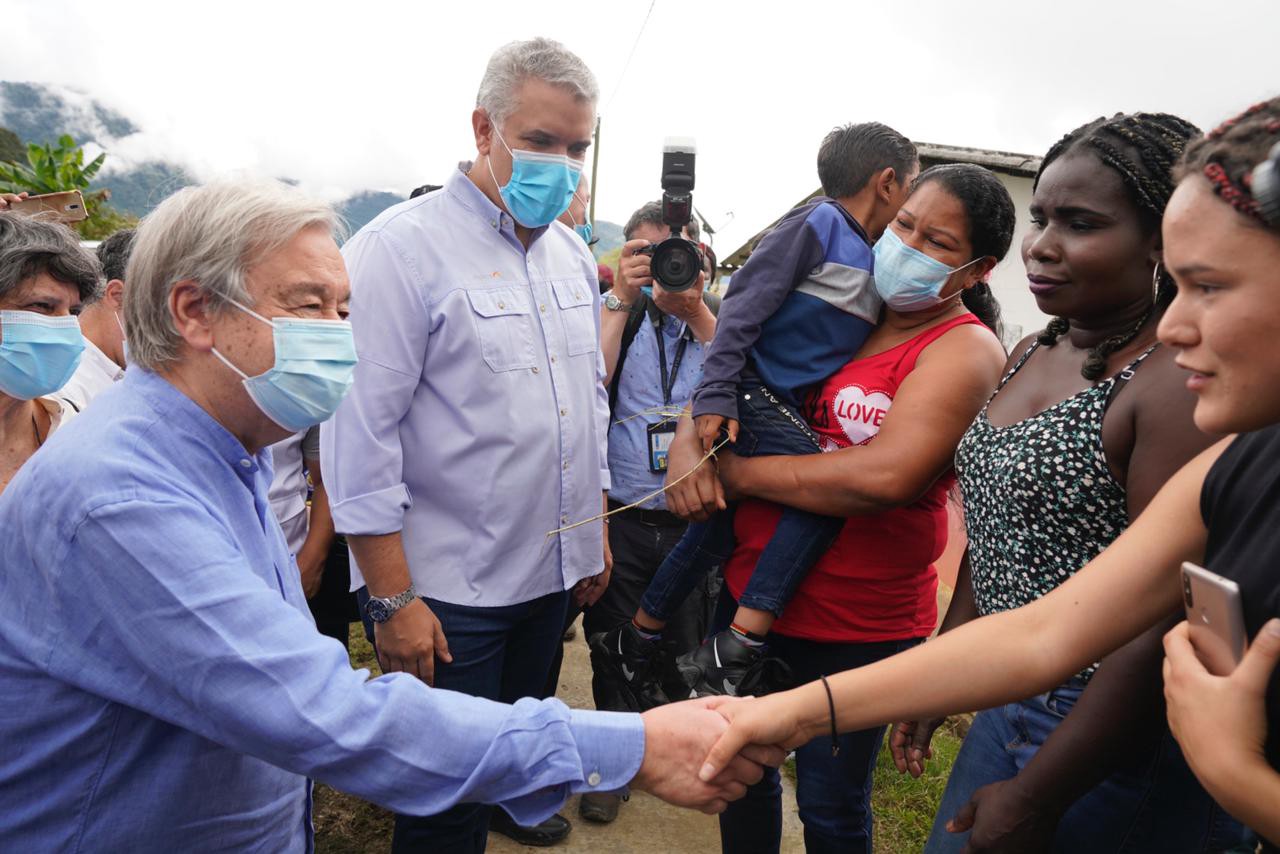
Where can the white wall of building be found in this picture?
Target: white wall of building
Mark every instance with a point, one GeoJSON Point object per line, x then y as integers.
{"type": "Point", "coordinates": [1009, 279]}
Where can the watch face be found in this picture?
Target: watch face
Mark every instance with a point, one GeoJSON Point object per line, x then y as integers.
{"type": "Point", "coordinates": [612, 302]}
{"type": "Point", "coordinates": [378, 610]}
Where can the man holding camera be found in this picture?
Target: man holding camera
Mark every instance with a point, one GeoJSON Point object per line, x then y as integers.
{"type": "Point", "coordinates": [653, 341]}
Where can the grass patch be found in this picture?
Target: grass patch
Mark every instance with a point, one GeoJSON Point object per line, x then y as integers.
{"type": "Point", "coordinates": [903, 805]}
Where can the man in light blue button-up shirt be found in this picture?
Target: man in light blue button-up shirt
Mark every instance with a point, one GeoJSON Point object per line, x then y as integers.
{"type": "Point", "coordinates": [164, 686]}
{"type": "Point", "coordinates": [475, 435]}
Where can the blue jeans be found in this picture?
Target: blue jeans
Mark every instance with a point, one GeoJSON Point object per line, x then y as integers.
{"type": "Point", "coordinates": [502, 654]}
{"type": "Point", "coordinates": [833, 793]}
{"type": "Point", "coordinates": [1153, 804]}
{"type": "Point", "coordinates": [767, 427]}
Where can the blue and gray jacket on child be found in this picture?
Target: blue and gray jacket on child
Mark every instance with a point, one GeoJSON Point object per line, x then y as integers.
{"type": "Point", "coordinates": [797, 311]}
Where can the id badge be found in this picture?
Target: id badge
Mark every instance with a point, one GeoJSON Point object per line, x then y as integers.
{"type": "Point", "coordinates": [660, 436]}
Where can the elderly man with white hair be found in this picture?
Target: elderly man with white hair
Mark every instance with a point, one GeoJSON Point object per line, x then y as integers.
{"type": "Point", "coordinates": [474, 439]}
{"type": "Point", "coordinates": [165, 688]}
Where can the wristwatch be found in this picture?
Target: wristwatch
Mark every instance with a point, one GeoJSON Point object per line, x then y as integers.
{"type": "Point", "coordinates": [380, 610]}
{"type": "Point", "coordinates": [612, 302]}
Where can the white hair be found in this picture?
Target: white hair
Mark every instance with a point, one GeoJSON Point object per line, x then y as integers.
{"type": "Point", "coordinates": [541, 59]}
{"type": "Point", "coordinates": [212, 234]}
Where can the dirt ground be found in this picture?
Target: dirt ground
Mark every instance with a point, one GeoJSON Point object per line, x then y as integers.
{"type": "Point", "coordinates": [645, 824]}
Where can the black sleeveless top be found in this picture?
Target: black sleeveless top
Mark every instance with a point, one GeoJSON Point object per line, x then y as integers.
{"type": "Point", "coordinates": [1240, 504]}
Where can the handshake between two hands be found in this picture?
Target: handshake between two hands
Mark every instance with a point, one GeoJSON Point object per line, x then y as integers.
{"type": "Point", "coordinates": [704, 753]}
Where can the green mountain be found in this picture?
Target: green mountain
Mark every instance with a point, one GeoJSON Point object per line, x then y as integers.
{"type": "Point", "coordinates": [36, 112]}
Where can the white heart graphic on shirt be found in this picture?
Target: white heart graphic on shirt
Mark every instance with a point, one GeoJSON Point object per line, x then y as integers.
{"type": "Point", "coordinates": [860, 412]}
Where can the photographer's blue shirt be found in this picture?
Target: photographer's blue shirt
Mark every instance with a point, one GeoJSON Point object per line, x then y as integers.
{"type": "Point", "coordinates": [640, 404]}
{"type": "Point", "coordinates": [165, 688]}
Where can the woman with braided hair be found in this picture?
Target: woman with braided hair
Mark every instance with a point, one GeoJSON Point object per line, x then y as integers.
{"type": "Point", "coordinates": [1221, 245]}
{"type": "Point", "coordinates": [1090, 421]}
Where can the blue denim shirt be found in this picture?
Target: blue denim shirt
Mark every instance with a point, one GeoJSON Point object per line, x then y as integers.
{"type": "Point", "coordinates": [640, 390]}
{"type": "Point", "coordinates": [164, 687]}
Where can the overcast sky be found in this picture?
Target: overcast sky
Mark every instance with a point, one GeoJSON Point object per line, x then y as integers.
{"type": "Point", "coordinates": [354, 95]}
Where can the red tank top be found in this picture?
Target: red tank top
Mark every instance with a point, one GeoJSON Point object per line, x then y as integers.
{"type": "Point", "coordinates": [877, 581]}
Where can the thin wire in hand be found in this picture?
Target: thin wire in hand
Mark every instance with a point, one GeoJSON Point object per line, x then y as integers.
{"type": "Point", "coordinates": [667, 412]}
{"type": "Point", "coordinates": [709, 455]}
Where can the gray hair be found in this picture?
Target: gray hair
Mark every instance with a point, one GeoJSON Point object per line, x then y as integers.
{"type": "Point", "coordinates": [211, 234]}
{"type": "Point", "coordinates": [541, 59]}
{"type": "Point", "coordinates": [31, 246]}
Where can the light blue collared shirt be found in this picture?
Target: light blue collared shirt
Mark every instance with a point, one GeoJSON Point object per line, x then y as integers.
{"type": "Point", "coordinates": [640, 391]}
{"type": "Point", "coordinates": [164, 687]}
{"type": "Point", "coordinates": [478, 419]}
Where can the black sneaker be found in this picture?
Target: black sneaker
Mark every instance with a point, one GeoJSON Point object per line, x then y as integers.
{"type": "Point", "coordinates": [626, 664]}
{"type": "Point", "coordinates": [550, 832]}
{"type": "Point", "coordinates": [727, 665]}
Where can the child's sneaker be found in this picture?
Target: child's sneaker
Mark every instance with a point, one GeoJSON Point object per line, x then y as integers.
{"type": "Point", "coordinates": [626, 664]}
{"type": "Point", "coordinates": [721, 665]}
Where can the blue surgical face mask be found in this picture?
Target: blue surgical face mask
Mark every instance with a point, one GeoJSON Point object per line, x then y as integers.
{"type": "Point", "coordinates": [541, 185]}
{"type": "Point", "coordinates": [584, 230]}
{"type": "Point", "coordinates": [906, 278]}
{"type": "Point", "coordinates": [38, 353]}
{"type": "Point", "coordinates": [314, 367]}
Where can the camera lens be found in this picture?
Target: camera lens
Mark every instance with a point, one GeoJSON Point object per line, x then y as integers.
{"type": "Point", "coordinates": [676, 264]}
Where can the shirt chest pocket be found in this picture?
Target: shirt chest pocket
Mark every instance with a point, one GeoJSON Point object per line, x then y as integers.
{"type": "Point", "coordinates": [504, 326]}
{"type": "Point", "coordinates": [574, 299]}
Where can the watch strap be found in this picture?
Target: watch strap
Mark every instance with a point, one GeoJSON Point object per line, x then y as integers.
{"type": "Point", "coordinates": [395, 603]}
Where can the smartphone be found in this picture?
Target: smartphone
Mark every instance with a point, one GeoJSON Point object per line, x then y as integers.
{"type": "Point", "coordinates": [1215, 617]}
{"type": "Point", "coordinates": [62, 207]}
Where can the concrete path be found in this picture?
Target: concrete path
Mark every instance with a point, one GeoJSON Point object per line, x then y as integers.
{"type": "Point", "coordinates": [645, 824]}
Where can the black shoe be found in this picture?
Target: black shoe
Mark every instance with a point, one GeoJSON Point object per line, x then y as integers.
{"type": "Point", "coordinates": [725, 664]}
{"type": "Point", "coordinates": [626, 664]}
{"type": "Point", "coordinates": [553, 830]}
{"type": "Point", "coordinates": [600, 807]}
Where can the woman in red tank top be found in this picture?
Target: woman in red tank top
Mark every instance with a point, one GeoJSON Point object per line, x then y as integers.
{"type": "Point", "coordinates": [892, 419]}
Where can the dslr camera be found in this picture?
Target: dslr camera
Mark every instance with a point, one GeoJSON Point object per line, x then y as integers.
{"type": "Point", "coordinates": [676, 262]}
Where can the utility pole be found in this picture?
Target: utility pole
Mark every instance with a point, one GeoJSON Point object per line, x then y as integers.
{"type": "Point", "coordinates": [595, 167]}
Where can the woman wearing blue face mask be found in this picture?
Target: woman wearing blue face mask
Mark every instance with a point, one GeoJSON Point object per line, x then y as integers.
{"type": "Point", "coordinates": [891, 418]}
{"type": "Point", "coordinates": [44, 275]}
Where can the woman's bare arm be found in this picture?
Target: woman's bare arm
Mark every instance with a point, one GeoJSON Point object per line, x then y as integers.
{"type": "Point", "coordinates": [1004, 657]}
{"type": "Point", "coordinates": [952, 380]}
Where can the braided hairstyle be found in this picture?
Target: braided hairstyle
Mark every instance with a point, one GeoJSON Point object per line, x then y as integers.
{"type": "Point", "coordinates": [1226, 156]}
{"type": "Point", "coordinates": [991, 217]}
{"type": "Point", "coordinates": [1143, 149]}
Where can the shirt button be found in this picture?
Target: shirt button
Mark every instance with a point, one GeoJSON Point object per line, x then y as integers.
{"type": "Point", "coordinates": [535, 369]}
{"type": "Point", "coordinates": [502, 305]}
{"type": "Point", "coordinates": [493, 222]}
{"type": "Point", "coordinates": [594, 779]}
{"type": "Point", "coordinates": [542, 307]}
{"type": "Point", "coordinates": [249, 463]}
{"type": "Point", "coordinates": [564, 520]}
{"type": "Point", "coordinates": [564, 412]}
{"type": "Point", "coordinates": [553, 358]}
{"type": "Point", "coordinates": [565, 466]}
